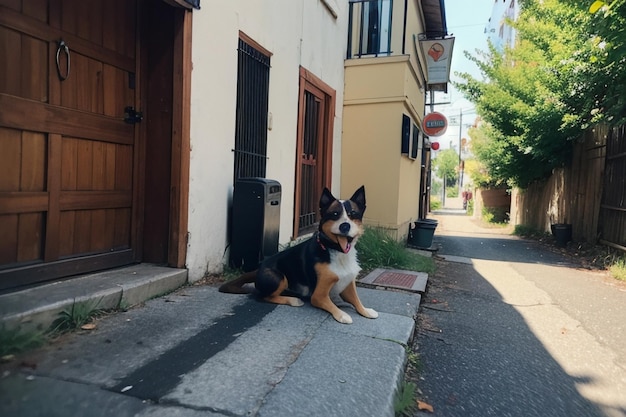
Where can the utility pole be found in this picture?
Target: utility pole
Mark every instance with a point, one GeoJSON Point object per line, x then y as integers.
{"type": "Point", "coordinates": [460, 134]}
{"type": "Point", "coordinates": [443, 197]}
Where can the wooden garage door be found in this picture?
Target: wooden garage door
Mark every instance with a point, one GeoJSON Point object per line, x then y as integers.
{"type": "Point", "coordinates": [68, 160]}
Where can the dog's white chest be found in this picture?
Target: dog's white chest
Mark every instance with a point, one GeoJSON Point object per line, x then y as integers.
{"type": "Point", "coordinates": [346, 267]}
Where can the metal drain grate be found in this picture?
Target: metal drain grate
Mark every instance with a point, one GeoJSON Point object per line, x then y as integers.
{"type": "Point", "coordinates": [396, 279]}
{"type": "Point", "coordinates": [393, 278]}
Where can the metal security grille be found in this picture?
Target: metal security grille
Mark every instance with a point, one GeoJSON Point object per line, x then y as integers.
{"type": "Point", "coordinates": [253, 73]}
{"type": "Point", "coordinates": [311, 178]}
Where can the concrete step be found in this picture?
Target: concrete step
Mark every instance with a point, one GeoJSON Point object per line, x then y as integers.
{"type": "Point", "coordinates": [36, 308]}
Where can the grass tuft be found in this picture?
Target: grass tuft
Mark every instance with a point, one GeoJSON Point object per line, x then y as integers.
{"type": "Point", "coordinates": [76, 316]}
{"type": "Point", "coordinates": [523, 230]}
{"type": "Point", "coordinates": [404, 402]}
{"type": "Point", "coordinates": [618, 269]}
{"type": "Point", "coordinates": [377, 249]}
{"type": "Point", "coordinates": [14, 341]}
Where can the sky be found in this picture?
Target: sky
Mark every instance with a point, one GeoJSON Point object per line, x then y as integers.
{"type": "Point", "coordinates": [466, 20]}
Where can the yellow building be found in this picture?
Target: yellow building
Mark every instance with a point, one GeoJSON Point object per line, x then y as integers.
{"type": "Point", "coordinates": [386, 82]}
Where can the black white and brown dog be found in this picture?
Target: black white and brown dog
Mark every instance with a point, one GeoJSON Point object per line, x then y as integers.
{"type": "Point", "coordinates": [320, 268]}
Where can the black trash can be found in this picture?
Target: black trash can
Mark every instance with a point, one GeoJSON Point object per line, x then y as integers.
{"type": "Point", "coordinates": [562, 233]}
{"type": "Point", "coordinates": [421, 233]}
{"type": "Point", "coordinates": [256, 221]}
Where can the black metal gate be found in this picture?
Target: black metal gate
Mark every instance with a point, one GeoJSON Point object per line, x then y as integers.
{"type": "Point", "coordinates": [253, 75]}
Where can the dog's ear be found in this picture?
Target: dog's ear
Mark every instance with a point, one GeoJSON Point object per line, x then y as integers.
{"type": "Point", "coordinates": [359, 197]}
{"type": "Point", "coordinates": [326, 200]}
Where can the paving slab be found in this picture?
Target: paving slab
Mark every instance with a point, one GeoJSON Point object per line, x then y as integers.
{"type": "Point", "coordinates": [339, 374]}
{"type": "Point", "coordinates": [201, 352]}
{"type": "Point", "coordinates": [126, 341]}
{"type": "Point", "coordinates": [37, 396]}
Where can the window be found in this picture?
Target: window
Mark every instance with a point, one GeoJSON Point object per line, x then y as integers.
{"type": "Point", "coordinates": [369, 27]}
{"type": "Point", "coordinates": [253, 74]}
{"type": "Point", "coordinates": [376, 16]}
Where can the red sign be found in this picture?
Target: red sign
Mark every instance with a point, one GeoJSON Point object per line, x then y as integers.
{"type": "Point", "coordinates": [434, 146]}
{"type": "Point", "coordinates": [435, 124]}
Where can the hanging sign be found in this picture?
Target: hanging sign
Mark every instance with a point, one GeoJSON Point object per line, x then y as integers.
{"type": "Point", "coordinates": [435, 124]}
{"type": "Point", "coordinates": [438, 53]}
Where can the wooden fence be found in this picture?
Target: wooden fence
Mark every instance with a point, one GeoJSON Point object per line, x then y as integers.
{"type": "Point", "coordinates": [612, 224]}
{"type": "Point", "coordinates": [590, 194]}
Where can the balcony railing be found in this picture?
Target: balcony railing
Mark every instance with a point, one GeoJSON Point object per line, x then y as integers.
{"type": "Point", "coordinates": [369, 28]}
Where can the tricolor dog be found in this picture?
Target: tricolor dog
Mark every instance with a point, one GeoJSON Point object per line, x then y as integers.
{"type": "Point", "coordinates": [319, 268]}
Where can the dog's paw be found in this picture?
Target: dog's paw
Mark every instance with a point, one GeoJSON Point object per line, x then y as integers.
{"type": "Point", "coordinates": [371, 313]}
{"type": "Point", "coordinates": [343, 317]}
{"type": "Point", "coordinates": [295, 302]}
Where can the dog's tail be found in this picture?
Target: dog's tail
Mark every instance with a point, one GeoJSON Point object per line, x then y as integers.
{"type": "Point", "coordinates": [235, 286]}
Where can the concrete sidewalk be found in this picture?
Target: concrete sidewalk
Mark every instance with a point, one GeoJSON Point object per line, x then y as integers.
{"type": "Point", "coordinates": [199, 352]}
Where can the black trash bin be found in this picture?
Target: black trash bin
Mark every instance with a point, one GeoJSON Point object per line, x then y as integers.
{"type": "Point", "coordinates": [255, 221]}
{"type": "Point", "coordinates": [421, 233]}
{"type": "Point", "coordinates": [562, 233]}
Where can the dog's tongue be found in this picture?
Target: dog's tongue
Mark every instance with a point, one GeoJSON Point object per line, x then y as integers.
{"type": "Point", "coordinates": [344, 244]}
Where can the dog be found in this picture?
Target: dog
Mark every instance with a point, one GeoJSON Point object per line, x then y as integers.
{"type": "Point", "coordinates": [318, 269]}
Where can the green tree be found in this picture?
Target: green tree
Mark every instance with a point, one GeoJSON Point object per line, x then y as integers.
{"type": "Point", "coordinates": [537, 97]}
{"type": "Point", "coordinates": [446, 165]}
{"type": "Point", "coordinates": [477, 168]}
{"type": "Point", "coordinates": [607, 77]}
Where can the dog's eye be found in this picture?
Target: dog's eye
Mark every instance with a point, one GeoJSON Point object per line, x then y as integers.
{"type": "Point", "coordinates": [335, 214]}
{"type": "Point", "coordinates": [353, 214]}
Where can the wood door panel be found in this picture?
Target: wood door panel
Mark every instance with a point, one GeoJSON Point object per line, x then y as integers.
{"type": "Point", "coordinates": [82, 233]}
{"type": "Point", "coordinates": [11, 77]}
{"type": "Point", "coordinates": [33, 161]}
{"type": "Point", "coordinates": [22, 239]}
{"type": "Point", "coordinates": [104, 89]}
{"type": "Point", "coordinates": [23, 66]}
{"type": "Point", "coordinates": [67, 234]}
{"type": "Point", "coordinates": [22, 202]}
{"type": "Point", "coordinates": [84, 179]}
{"type": "Point", "coordinates": [83, 89]}
{"type": "Point", "coordinates": [91, 165]}
{"type": "Point", "coordinates": [117, 91]}
{"type": "Point", "coordinates": [12, 4]}
{"type": "Point", "coordinates": [78, 200]}
{"type": "Point", "coordinates": [30, 237]}
{"type": "Point", "coordinates": [10, 159]}
{"type": "Point", "coordinates": [37, 9]}
{"type": "Point", "coordinates": [48, 118]}
{"type": "Point", "coordinates": [117, 49]}
{"type": "Point", "coordinates": [34, 69]}
{"type": "Point", "coordinates": [122, 230]}
{"type": "Point", "coordinates": [68, 160]}
{"type": "Point", "coordinates": [106, 230]}
{"type": "Point", "coordinates": [8, 243]}
{"type": "Point", "coordinates": [82, 18]}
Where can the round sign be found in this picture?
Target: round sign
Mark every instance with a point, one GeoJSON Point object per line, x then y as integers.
{"type": "Point", "coordinates": [435, 124]}
{"type": "Point", "coordinates": [434, 146]}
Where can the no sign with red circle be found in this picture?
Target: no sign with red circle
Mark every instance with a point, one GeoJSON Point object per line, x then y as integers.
{"type": "Point", "coordinates": [435, 124]}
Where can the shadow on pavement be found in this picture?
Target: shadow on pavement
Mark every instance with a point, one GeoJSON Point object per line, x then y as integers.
{"type": "Point", "coordinates": [499, 249]}
{"type": "Point", "coordinates": [480, 358]}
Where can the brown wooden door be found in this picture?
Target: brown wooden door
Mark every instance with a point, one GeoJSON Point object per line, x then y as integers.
{"type": "Point", "coordinates": [313, 149]}
{"type": "Point", "coordinates": [69, 187]}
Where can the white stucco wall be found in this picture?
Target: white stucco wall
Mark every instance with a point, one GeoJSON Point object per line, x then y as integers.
{"type": "Point", "coordinates": [297, 33]}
